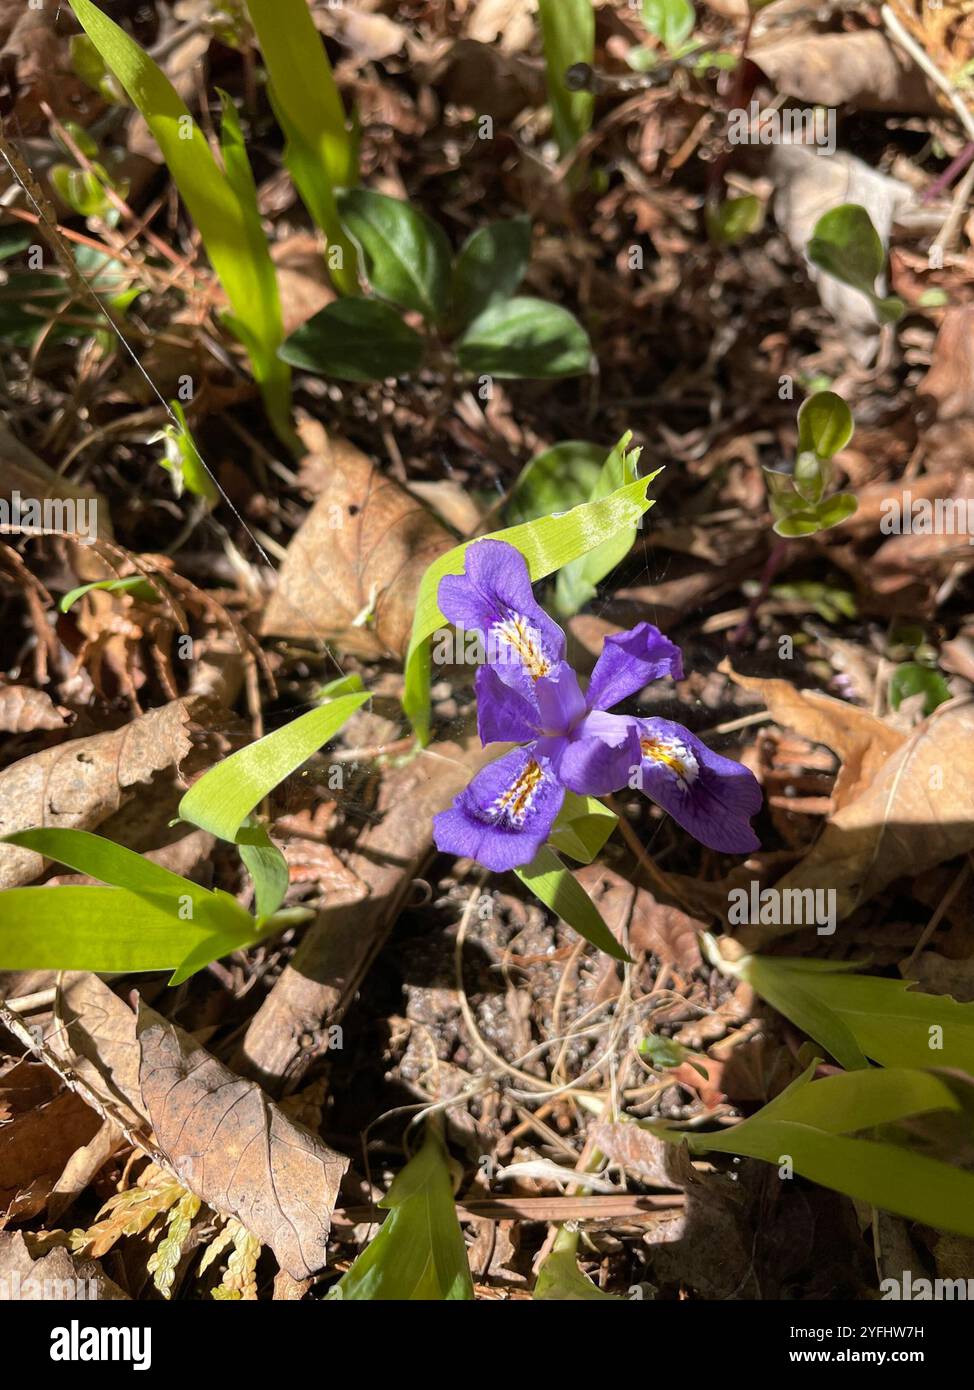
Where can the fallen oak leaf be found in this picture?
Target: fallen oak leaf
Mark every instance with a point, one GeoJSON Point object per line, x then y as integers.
{"type": "Point", "coordinates": [860, 740]}
{"type": "Point", "coordinates": [353, 568]}
{"type": "Point", "coordinates": [235, 1149]}
{"type": "Point", "coordinates": [81, 783]}
{"type": "Point", "coordinates": [863, 69]}
{"type": "Point", "coordinates": [917, 813]}
{"type": "Point", "coordinates": [23, 710]}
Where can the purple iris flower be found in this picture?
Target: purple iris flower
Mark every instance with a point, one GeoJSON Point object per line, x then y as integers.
{"type": "Point", "coordinates": [528, 694]}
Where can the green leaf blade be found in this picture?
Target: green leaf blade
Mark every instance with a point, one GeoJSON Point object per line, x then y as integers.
{"type": "Point", "coordinates": [418, 1253]}
{"type": "Point", "coordinates": [225, 796]}
{"type": "Point", "coordinates": [355, 340]}
{"type": "Point", "coordinates": [525, 338]}
{"type": "Point", "coordinates": [549, 880]}
{"type": "Point", "coordinates": [406, 255]}
{"type": "Point", "coordinates": [490, 267]}
{"type": "Point", "coordinates": [105, 930]}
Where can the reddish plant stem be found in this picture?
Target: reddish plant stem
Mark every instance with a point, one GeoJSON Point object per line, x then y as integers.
{"type": "Point", "coordinates": [954, 169]}
{"type": "Point", "coordinates": [771, 568]}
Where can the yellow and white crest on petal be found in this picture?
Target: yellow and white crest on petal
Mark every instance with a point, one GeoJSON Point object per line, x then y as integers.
{"type": "Point", "coordinates": [671, 753]}
{"type": "Point", "coordinates": [517, 799]}
{"type": "Point", "coordinates": [523, 641]}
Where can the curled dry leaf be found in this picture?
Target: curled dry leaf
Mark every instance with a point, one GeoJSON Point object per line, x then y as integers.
{"type": "Point", "coordinates": [864, 69]}
{"type": "Point", "coordinates": [916, 813]}
{"type": "Point", "coordinates": [41, 1279]}
{"type": "Point", "coordinates": [639, 1152]}
{"type": "Point", "coordinates": [24, 710]}
{"type": "Point", "coordinates": [81, 783]}
{"type": "Point", "coordinates": [860, 740]}
{"type": "Point", "coordinates": [949, 384]}
{"type": "Point", "coordinates": [93, 1033]}
{"type": "Point", "coordinates": [352, 570]}
{"type": "Point", "coordinates": [41, 1136]}
{"type": "Point", "coordinates": [665, 931]}
{"type": "Point", "coordinates": [235, 1149]}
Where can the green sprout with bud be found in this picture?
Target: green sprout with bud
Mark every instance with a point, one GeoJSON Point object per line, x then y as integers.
{"type": "Point", "coordinates": [800, 501]}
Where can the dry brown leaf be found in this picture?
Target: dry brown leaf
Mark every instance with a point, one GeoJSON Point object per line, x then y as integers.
{"type": "Point", "coordinates": [24, 709]}
{"type": "Point", "coordinates": [943, 545]}
{"type": "Point", "coordinates": [864, 69]}
{"type": "Point", "coordinates": [918, 812]}
{"type": "Point", "coordinates": [93, 1033]}
{"type": "Point", "coordinates": [302, 279]}
{"type": "Point", "coordinates": [352, 570]}
{"type": "Point", "coordinates": [235, 1149]}
{"type": "Point", "coordinates": [640, 1153]}
{"type": "Point", "coordinates": [313, 861]}
{"type": "Point", "coordinates": [860, 740]}
{"type": "Point", "coordinates": [665, 931]}
{"type": "Point", "coordinates": [949, 383]}
{"type": "Point", "coordinates": [514, 23]}
{"type": "Point", "coordinates": [39, 1140]}
{"type": "Point", "coordinates": [451, 502]}
{"type": "Point", "coordinates": [22, 471]}
{"type": "Point", "coordinates": [83, 1165]}
{"type": "Point", "coordinates": [875, 498]}
{"type": "Point", "coordinates": [54, 1275]}
{"type": "Point", "coordinates": [80, 783]}
{"type": "Point", "coordinates": [371, 37]}
{"type": "Point", "coordinates": [671, 935]}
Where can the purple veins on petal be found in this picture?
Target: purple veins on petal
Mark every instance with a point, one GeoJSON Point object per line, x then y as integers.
{"type": "Point", "coordinates": [502, 818]}
{"type": "Point", "coordinates": [710, 796]}
{"type": "Point", "coordinates": [493, 598]}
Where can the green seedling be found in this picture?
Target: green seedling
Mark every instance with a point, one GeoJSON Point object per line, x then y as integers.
{"type": "Point", "coordinates": [183, 461]}
{"type": "Point", "coordinates": [670, 21]}
{"type": "Point", "coordinates": [799, 500]}
{"type": "Point", "coordinates": [846, 244]}
{"type": "Point", "coordinates": [470, 316]}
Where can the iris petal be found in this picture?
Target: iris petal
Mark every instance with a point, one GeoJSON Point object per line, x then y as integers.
{"type": "Point", "coordinates": [710, 796]}
{"type": "Point", "coordinates": [493, 598]}
{"type": "Point", "coordinates": [561, 704]}
{"type": "Point", "coordinates": [630, 660]}
{"type": "Point", "coordinates": [502, 818]}
{"type": "Point", "coordinates": [504, 715]}
{"type": "Point", "coordinates": [600, 756]}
